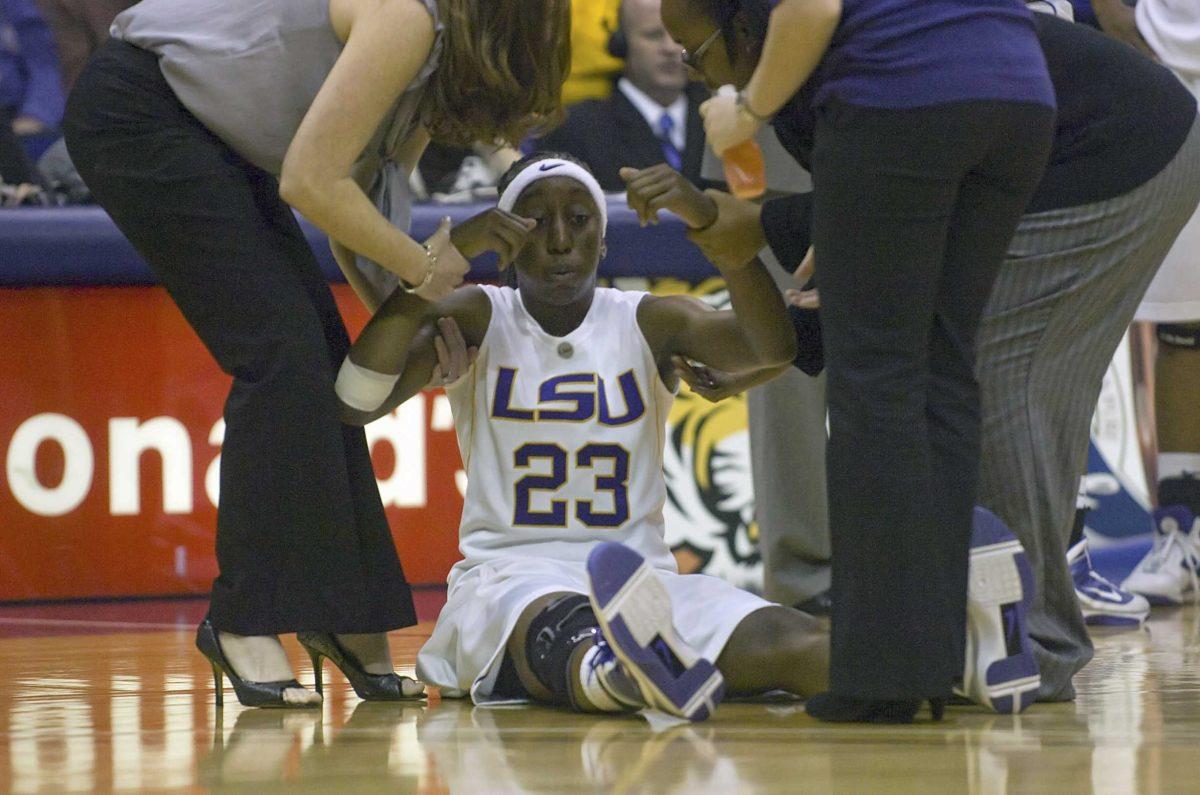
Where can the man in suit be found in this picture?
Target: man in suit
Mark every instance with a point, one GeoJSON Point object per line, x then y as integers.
{"type": "Point", "coordinates": [652, 117]}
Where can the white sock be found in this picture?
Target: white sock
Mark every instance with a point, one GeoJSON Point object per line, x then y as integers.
{"type": "Point", "coordinates": [591, 679]}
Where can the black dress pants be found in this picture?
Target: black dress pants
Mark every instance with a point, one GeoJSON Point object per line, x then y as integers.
{"type": "Point", "coordinates": [302, 539]}
{"type": "Point", "coordinates": [913, 210]}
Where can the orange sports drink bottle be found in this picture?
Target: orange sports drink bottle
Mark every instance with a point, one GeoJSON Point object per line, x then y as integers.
{"type": "Point", "coordinates": [745, 172]}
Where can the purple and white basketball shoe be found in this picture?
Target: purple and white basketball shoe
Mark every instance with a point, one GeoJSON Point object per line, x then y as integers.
{"type": "Point", "coordinates": [1102, 602]}
{"type": "Point", "coordinates": [634, 611]}
{"type": "Point", "coordinates": [1000, 670]}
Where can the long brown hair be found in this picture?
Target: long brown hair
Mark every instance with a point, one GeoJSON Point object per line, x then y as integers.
{"type": "Point", "coordinates": [501, 72]}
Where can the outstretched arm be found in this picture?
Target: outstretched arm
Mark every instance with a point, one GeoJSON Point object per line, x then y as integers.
{"type": "Point", "coordinates": [398, 350]}
{"type": "Point", "coordinates": [716, 385]}
{"type": "Point", "coordinates": [756, 334]}
{"type": "Point", "coordinates": [395, 356]}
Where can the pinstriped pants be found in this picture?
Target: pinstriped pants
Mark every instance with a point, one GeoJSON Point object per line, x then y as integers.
{"type": "Point", "coordinates": [1063, 298]}
{"type": "Point", "coordinates": [787, 435]}
{"type": "Point", "coordinates": [1066, 293]}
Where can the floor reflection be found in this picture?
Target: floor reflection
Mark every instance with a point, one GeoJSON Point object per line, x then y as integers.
{"type": "Point", "coordinates": [136, 713]}
{"type": "Point", "coordinates": [498, 750]}
{"type": "Point", "coordinates": [286, 749]}
{"type": "Point", "coordinates": [450, 747]}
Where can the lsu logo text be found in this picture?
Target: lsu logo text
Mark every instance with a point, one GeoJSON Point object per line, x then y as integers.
{"type": "Point", "coordinates": [576, 397]}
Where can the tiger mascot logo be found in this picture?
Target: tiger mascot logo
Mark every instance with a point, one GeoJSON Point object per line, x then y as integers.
{"type": "Point", "coordinates": [709, 513]}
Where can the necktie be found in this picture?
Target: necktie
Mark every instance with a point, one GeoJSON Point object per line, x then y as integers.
{"type": "Point", "coordinates": [670, 154]}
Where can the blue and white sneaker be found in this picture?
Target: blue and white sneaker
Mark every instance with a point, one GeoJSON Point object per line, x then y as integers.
{"type": "Point", "coordinates": [634, 611]}
{"type": "Point", "coordinates": [1102, 602]}
{"type": "Point", "coordinates": [1170, 572]}
{"type": "Point", "coordinates": [1000, 670]}
{"type": "Point", "coordinates": [604, 681]}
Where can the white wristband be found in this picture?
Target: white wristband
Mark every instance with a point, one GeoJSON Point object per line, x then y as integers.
{"type": "Point", "coordinates": [361, 388]}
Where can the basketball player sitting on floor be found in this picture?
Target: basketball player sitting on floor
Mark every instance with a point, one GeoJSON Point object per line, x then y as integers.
{"type": "Point", "coordinates": [567, 593]}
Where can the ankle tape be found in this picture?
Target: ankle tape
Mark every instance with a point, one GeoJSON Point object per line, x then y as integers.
{"type": "Point", "coordinates": [553, 635]}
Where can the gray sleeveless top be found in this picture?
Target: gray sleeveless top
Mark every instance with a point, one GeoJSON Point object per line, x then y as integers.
{"type": "Point", "coordinates": [250, 69]}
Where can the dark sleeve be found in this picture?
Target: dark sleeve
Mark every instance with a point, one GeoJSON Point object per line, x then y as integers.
{"type": "Point", "coordinates": [787, 224]}
{"type": "Point", "coordinates": [1113, 133]}
{"type": "Point", "coordinates": [810, 349]}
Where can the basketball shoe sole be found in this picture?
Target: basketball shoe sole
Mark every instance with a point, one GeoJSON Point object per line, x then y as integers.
{"type": "Point", "coordinates": [634, 611]}
{"type": "Point", "coordinates": [1000, 671]}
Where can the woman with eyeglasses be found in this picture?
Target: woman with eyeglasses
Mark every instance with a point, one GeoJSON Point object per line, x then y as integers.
{"type": "Point", "coordinates": [932, 122]}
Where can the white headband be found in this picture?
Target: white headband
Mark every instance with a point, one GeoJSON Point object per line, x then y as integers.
{"type": "Point", "coordinates": [553, 167]}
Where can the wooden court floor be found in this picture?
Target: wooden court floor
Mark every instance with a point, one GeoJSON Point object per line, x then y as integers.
{"type": "Point", "coordinates": [132, 711]}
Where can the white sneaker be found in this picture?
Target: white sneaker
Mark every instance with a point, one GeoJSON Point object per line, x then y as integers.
{"type": "Point", "coordinates": [1103, 603]}
{"type": "Point", "coordinates": [1171, 569]}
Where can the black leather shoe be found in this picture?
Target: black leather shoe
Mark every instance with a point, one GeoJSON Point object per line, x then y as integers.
{"type": "Point", "coordinates": [818, 605]}
{"type": "Point", "coordinates": [368, 686]}
{"type": "Point", "coordinates": [843, 709]}
{"type": "Point", "coordinates": [249, 694]}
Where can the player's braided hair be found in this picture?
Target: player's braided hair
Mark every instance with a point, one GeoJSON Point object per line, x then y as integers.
{"type": "Point", "coordinates": [510, 275]}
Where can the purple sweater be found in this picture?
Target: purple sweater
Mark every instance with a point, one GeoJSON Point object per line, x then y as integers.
{"type": "Point", "coordinates": [916, 53]}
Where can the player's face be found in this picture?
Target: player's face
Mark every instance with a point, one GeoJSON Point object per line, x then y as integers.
{"type": "Point", "coordinates": [558, 264]}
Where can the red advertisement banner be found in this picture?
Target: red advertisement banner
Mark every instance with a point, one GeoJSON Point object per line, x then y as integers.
{"type": "Point", "coordinates": [110, 429]}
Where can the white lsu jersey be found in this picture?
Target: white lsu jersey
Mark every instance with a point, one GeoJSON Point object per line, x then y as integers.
{"type": "Point", "coordinates": [562, 437]}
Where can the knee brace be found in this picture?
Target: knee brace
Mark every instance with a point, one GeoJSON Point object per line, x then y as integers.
{"type": "Point", "coordinates": [1179, 335]}
{"type": "Point", "coordinates": [554, 634]}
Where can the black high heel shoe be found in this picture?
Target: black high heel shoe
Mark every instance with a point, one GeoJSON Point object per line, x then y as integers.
{"type": "Point", "coordinates": [843, 709]}
{"type": "Point", "coordinates": [368, 686]}
{"type": "Point", "coordinates": [249, 694]}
